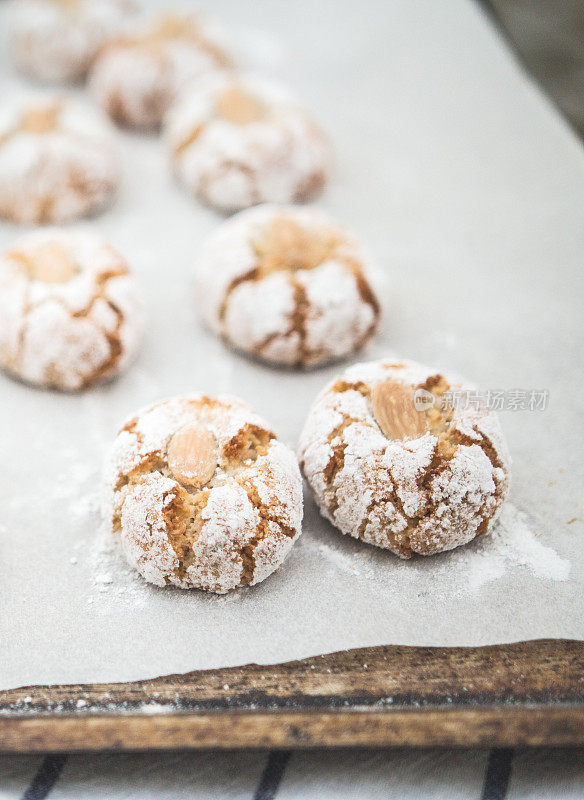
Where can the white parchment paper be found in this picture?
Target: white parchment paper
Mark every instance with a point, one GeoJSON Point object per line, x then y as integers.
{"type": "Point", "coordinates": [470, 190]}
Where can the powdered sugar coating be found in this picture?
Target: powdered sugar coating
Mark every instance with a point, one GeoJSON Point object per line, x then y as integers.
{"type": "Point", "coordinates": [67, 335]}
{"type": "Point", "coordinates": [234, 530]}
{"type": "Point", "coordinates": [58, 174]}
{"type": "Point", "coordinates": [411, 495]}
{"type": "Point", "coordinates": [295, 317]}
{"type": "Point", "coordinates": [281, 157]}
{"type": "Point", "coordinates": [137, 78]}
{"type": "Point", "coordinates": [56, 41]}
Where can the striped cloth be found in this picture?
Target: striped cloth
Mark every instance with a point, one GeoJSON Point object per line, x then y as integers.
{"type": "Point", "coordinates": [322, 774]}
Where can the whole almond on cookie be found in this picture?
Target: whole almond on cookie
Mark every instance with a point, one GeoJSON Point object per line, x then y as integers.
{"type": "Point", "coordinates": [52, 263]}
{"type": "Point", "coordinates": [192, 455]}
{"type": "Point", "coordinates": [41, 120]}
{"type": "Point", "coordinates": [285, 244]}
{"type": "Point", "coordinates": [395, 412]}
{"type": "Point", "coordinates": [239, 107]}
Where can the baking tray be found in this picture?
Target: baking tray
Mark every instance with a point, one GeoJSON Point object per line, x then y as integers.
{"type": "Point", "coordinates": [474, 212]}
{"type": "Point", "coordinates": [528, 693]}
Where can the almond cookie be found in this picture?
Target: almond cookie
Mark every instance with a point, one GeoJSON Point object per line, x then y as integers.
{"type": "Point", "coordinates": [395, 461]}
{"type": "Point", "coordinates": [57, 40]}
{"type": "Point", "coordinates": [58, 161]}
{"type": "Point", "coordinates": [239, 141]}
{"type": "Point", "coordinates": [70, 311]}
{"type": "Point", "coordinates": [202, 494]}
{"type": "Point", "coordinates": [287, 285]}
{"type": "Point", "coordinates": [138, 77]}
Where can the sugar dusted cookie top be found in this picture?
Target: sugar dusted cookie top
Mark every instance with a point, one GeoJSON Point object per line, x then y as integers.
{"type": "Point", "coordinates": [237, 141]}
{"type": "Point", "coordinates": [202, 494]}
{"type": "Point", "coordinates": [138, 77]}
{"type": "Point", "coordinates": [288, 285]}
{"type": "Point", "coordinates": [57, 40]}
{"type": "Point", "coordinates": [394, 461]}
{"type": "Point", "coordinates": [70, 312]}
{"type": "Point", "coordinates": [58, 160]}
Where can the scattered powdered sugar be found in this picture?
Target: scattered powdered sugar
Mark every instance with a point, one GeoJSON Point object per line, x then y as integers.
{"type": "Point", "coordinates": [513, 543]}
{"type": "Point", "coordinates": [68, 484]}
{"type": "Point", "coordinates": [110, 574]}
{"type": "Point", "coordinates": [85, 506]}
{"type": "Point", "coordinates": [339, 559]}
{"type": "Point", "coordinates": [514, 539]}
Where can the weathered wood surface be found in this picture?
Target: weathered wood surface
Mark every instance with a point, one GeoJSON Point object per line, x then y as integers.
{"type": "Point", "coordinates": [528, 693]}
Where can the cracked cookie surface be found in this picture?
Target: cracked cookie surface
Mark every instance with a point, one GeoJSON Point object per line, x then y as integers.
{"type": "Point", "coordinates": [57, 40]}
{"type": "Point", "coordinates": [58, 160]}
{"type": "Point", "coordinates": [138, 77]}
{"type": "Point", "coordinates": [202, 494]}
{"type": "Point", "coordinates": [287, 285]}
{"type": "Point", "coordinates": [70, 311]}
{"type": "Point", "coordinates": [412, 477]}
{"type": "Point", "coordinates": [238, 141]}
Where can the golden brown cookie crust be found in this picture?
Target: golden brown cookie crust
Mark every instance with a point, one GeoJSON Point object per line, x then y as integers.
{"type": "Point", "coordinates": [289, 286]}
{"type": "Point", "coordinates": [70, 311]}
{"type": "Point", "coordinates": [237, 140]}
{"type": "Point", "coordinates": [412, 481]}
{"type": "Point", "coordinates": [56, 41]}
{"type": "Point", "coordinates": [58, 161]}
{"type": "Point", "coordinates": [202, 494]}
{"type": "Point", "coordinates": [137, 78]}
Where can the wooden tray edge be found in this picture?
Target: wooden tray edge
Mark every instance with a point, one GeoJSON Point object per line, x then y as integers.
{"type": "Point", "coordinates": [494, 727]}
{"type": "Point", "coordinates": [519, 694]}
